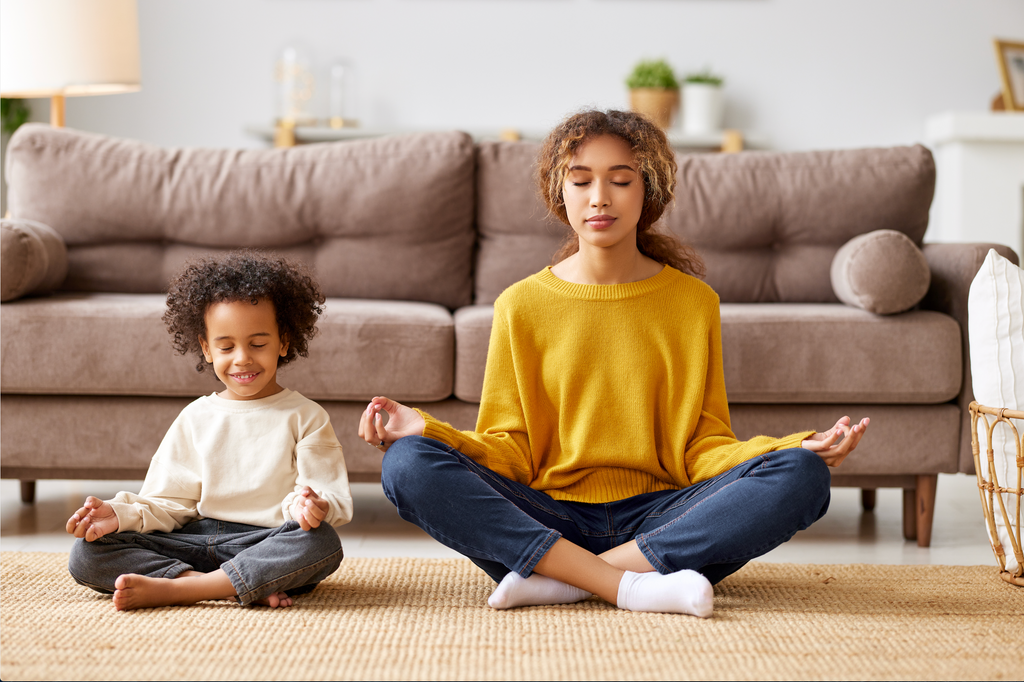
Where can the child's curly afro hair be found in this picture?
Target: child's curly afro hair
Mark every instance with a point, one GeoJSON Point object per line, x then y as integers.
{"type": "Point", "coordinates": [243, 276]}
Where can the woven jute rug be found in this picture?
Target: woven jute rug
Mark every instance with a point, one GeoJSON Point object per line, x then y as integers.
{"type": "Point", "coordinates": [428, 619]}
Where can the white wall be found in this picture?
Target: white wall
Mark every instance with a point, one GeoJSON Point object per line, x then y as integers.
{"type": "Point", "coordinates": [805, 74]}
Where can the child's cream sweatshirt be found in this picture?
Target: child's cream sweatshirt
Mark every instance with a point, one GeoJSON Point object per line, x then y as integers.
{"type": "Point", "coordinates": [242, 461]}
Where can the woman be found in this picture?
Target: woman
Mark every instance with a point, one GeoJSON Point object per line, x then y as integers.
{"type": "Point", "coordinates": [603, 461]}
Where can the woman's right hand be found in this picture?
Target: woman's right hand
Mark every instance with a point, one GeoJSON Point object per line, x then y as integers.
{"type": "Point", "coordinates": [402, 421]}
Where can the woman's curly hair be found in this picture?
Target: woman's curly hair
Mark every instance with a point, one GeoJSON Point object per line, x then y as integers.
{"type": "Point", "coordinates": [243, 276]}
{"type": "Point", "coordinates": [657, 166]}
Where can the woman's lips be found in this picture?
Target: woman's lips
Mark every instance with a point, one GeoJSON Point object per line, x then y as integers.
{"type": "Point", "coordinates": [601, 222]}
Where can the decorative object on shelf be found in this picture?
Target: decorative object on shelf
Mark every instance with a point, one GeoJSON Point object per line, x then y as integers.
{"type": "Point", "coordinates": [995, 325]}
{"type": "Point", "coordinates": [68, 48]}
{"type": "Point", "coordinates": [654, 91]}
{"type": "Point", "coordinates": [296, 86]}
{"type": "Point", "coordinates": [702, 103]}
{"type": "Point", "coordinates": [1010, 56]}
{"type": "Point", "coordinates": [340, 106]}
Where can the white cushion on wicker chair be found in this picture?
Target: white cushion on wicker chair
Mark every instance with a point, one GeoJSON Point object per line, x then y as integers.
{"type": "Point", "coordinates": [995, 314]}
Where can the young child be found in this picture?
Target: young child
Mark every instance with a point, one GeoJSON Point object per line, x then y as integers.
{"type": "Point", "coordinates": [242, 495]}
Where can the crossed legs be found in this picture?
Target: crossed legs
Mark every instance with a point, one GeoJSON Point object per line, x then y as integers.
{"type": "Point", "coordinates": [207, 559]}
{"type": "Point", "coordinates": [673, 544]}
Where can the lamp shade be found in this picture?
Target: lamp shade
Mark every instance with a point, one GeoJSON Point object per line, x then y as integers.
{"type": "Point", "coordinates": [68, 47]}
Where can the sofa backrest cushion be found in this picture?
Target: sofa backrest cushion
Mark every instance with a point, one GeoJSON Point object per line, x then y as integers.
{"type": "Point", "coordinates": [767, 224]}
{"type": "Point", "coordinates": [389, 218]}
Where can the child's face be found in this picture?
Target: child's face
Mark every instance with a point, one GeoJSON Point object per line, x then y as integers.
{"type": "Point", "coordinates": [604, 193]}
{"type": "Point", "coordinates": [243, 343]}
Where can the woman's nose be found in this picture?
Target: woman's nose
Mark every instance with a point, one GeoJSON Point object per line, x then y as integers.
{"type": "Point", "coordinates": [599, 197]}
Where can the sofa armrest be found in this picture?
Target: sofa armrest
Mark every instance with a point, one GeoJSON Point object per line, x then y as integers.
{"type": "Point", "coordinates": [953, 268]}
{"type": "Point", "coordinates": [33, 259]}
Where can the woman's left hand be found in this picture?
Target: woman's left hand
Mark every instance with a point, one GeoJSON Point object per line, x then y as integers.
{"type": "Point", "coordinates": [826, 447]}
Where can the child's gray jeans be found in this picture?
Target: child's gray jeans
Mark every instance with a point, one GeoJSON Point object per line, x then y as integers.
{"type": "Point", "coordinates": [258, 561]}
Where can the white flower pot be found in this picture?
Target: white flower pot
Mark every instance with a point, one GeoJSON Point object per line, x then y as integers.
{"type": "Point", "coordinates": [702, 108]}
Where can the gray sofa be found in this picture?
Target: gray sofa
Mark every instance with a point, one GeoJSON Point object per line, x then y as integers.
{"type": "Point", "coordinates": [412, 239]}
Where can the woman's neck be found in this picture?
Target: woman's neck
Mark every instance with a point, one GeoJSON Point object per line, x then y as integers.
{"type": "Point", "coordinates": [592, 265]}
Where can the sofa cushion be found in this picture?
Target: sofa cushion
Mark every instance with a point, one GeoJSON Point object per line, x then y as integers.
{"type": "Point", "coordinates": [472, 335]}
{"type": "Point", "coordinates": [882, 272]}
{"type": "Point", "coordinates": [389, 218]}
{"type": "Point", "coordinates": [799, 353]}
{"type": "Point", "coordinates": [34, 259]}
{"type": "Point", "coordinates": [116, 344]}
{"type": "Point", "coordinates": [767, 224]}
{"type": "Point", "coordinates": [517, 235]}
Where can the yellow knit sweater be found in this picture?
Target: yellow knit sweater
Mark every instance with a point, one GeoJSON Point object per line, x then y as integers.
{"type": "Point", "coordinates": [595, 393]}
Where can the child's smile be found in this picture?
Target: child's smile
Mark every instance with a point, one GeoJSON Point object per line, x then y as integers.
{"type": "Point", "coordinates": [243, 343]}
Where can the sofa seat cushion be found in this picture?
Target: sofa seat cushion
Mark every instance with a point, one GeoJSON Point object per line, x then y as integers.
{"type": "Point", "coordinates": [116, 344]}
{"type": "Point", "coordinates": [797, 353]}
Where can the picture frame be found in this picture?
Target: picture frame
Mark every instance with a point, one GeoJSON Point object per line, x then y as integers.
{"type": "Point", "coordinates": [1010, 56]}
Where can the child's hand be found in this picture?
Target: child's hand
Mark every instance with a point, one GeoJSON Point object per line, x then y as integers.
{"type": "Point", "coordinates": [402, 421]}
{"type": "Point", "coordinates": [308, 509]}
{"type": "Point", "coordinates": [93, 521]}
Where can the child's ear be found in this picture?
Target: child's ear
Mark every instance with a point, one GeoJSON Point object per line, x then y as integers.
{"type": "Point", "coordinates": [206, 349]}
{"type": "Point", "coordinates": [284, 345]}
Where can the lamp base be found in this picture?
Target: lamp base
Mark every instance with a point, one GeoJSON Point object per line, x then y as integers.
{"type": "Point", "coordinates": [57, 111]}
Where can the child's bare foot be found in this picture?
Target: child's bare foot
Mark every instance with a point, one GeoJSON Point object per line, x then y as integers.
{"type": "Point", "coordinates": [139, 592]}
{"type": "Point", "coordinates": [278, 599]}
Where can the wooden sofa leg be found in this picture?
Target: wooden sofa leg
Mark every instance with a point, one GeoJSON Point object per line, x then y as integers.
{"type": "Point", "coordinates": [909, 515]}
{"type": "Point", "coordinates": [925, 508]}
{"type": "Point", "coordinates": [868, 498]}
{"type": "Point", "coordinates": [28, 492]}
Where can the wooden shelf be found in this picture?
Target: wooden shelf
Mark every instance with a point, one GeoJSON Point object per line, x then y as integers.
{"type": "Point", "coordinates": [726, 140]}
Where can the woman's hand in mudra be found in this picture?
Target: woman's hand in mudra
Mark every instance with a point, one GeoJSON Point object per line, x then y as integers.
{"type": "Point", "coordinates": [826, 445]}
{"type": "Point", "coordinates": [402, 421]}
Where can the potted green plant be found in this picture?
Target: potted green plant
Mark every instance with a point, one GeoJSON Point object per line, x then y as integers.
{"type": "Point", "coordinates": [702, 102]}
{"type": "Point", "coordinates": [654, 91]}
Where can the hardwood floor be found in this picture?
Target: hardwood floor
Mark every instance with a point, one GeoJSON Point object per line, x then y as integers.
{"type": "Point", "coordinates": [845, 535]}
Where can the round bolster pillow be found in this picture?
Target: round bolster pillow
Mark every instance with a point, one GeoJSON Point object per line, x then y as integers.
{"type": "Point", "coordinates": [882, 272]}
{"type": "Point", "coordinates": [33, 258]}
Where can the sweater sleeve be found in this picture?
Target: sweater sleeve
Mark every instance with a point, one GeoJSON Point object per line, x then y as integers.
{"type": "Point", "coordinates": [170, 494]}
{"type": "Point", "coordinates": [713, 448]}
{"type": "Point", "coordinates": [320, 465]}
{"type": "Point", "coordinates": [501, 441]}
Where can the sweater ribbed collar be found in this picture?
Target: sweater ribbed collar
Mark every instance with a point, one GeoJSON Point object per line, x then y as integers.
{"type": "Point", "coordinates": [249, 405]}
{"type": "Point", "coordinates": [606, 292]}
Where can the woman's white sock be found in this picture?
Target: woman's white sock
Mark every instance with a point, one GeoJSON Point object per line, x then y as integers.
{"type": "Point", "coordinates": [515, 590]}
{"type": "Point", "coordinates": [680, 592]}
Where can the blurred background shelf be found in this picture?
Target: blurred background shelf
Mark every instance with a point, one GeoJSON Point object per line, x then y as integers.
{"type": "Point", "coordinates": [725, 140]}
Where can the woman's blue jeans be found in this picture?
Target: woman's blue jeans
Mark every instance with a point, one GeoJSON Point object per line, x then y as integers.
{"type": "Point", "coordinates": [713, 527]}
{"type": "Point", "coordinates": [258, 561]}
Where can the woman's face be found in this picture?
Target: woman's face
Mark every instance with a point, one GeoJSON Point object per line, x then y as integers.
{"type": "Point", "coordinates": [604, 194]}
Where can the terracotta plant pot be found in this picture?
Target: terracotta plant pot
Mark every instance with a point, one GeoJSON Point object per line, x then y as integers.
{"type": "Point", "coordinates": [658, 104]}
